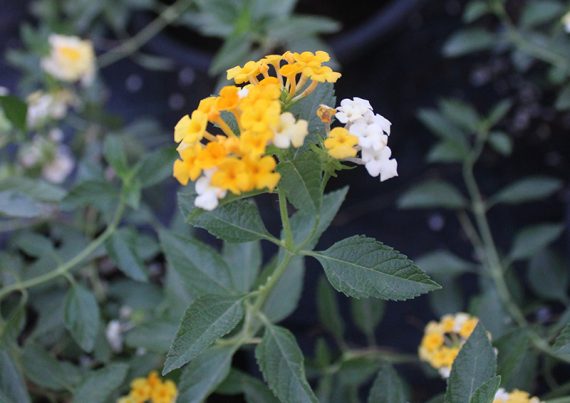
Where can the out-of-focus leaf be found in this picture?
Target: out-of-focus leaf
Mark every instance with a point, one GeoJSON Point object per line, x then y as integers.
{"type": "Point", "coordinates": [98, 386]}
{"type": "Point", "coordinates": [432, 194]}
{"type": "Point", "coordinates": [532, 239]}
{"type": "Point", "coordinates": [81, 316]}
{"type": "Point", "coordinates": [501, 142]}
{"type": "Point", "coordinates": [540, 12]}
{"type": "Point", "coordinates": [468, 41]}
{"type": "Point", "coordinates": [15, 110]}
{"type": "Point", "coordinates": [528, 189]}
{"type": "Point", "coordinates": [548, 276]}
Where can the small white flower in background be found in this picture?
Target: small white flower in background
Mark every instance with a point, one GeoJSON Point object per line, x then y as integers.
{"type": "Point", "coordinates": [566, 22]}
{"type": "Point", "coordinates": [60, 166]}
{"type": "Point", "coordinates": [290, 131]}
{"type": "Point", "coordinates": [45, 106]}
{"type": "Point", "coordinates": [373, 132]}
{"type": "Point", "coordinates": [208, 195]}
{"type": "Point", "coordinates": [114, 335]}
{"type": "Point", "coordinates": [3, 91]}
{"type": "Point", "coordinates": [71, 59]}
{"type": "Point", "coordinates": [31, 154]}
{"type": "Point", "coordinates": [351, 110]}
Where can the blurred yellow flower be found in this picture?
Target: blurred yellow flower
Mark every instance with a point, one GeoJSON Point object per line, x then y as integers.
{"type": "Point", "coordinates": [151, 389]}
{"type": "Point", "coordinates": [70, 59]}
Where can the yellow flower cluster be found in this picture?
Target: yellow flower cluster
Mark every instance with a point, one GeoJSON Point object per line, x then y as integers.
{"type": "Point", "coordinates": [341, 144]}
{"type": "Point", "coordinates": [442, 340]}
{"type": "Point", "coordinates": [150, 390]}
{"type": "Point", "coordinates": [516, 396]}
{"type": "Point", "coordinates": [248, 119]}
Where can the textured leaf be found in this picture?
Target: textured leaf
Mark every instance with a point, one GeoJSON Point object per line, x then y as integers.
{"type": "Point", "coordinates": [207, 319]}
{"type": "Point", "coordinates": [204, 271]}
{"type": "Point", "coordinates": [327, 307]}
{"type": "Point", "coordinates": [244, 261]}
{"type": "Point", "coordinates": [121, 249]}
{"type": "Point", "coordinates": [468, 41]}
{"type": "Point", "coordinates": [532, 239]}
{"type": "Point", "coordinates": [281, 363]}
{"type": "Point", "coordinates": [98, 386]}
{"type": "Point", "coordinates": [45, 370]}
{"type": "Point", "coordinates": [475, 364]}
{"type": "Point", "coordinates": [81, 316]}
{"type": "Point", "coordinates": [12, 385]}
{"type": "Point", "coordinates": [362, 267]}
{"type": "Point", "coordinates": [432, 194]}
{"type": "Point", "coordinates": [486, 392]}
{"type": "Point", "coordinates": [443, 263]}
{"type": "Point", "coordinates": [528, 189]}
{"type": "Point", "coordinates": [156, 166]}
{"type": "Point", "coordinates": [367, 314]}
{"type": "Point", "coordinates": [203, 375]}
{"type": "Point", "coordinates": [548, 276]}
{"type": "Point", "coordinates": [387, 387]}
{"type": "Point", "coordinates": [301, 181]}
{"type": "Point", "coordinates": [562, 343]}
{"type": "Point", "coordinates": [285, 296]}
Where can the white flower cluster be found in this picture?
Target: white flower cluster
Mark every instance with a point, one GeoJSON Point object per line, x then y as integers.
{"type": "Point", "coordinates": [208, 195]}
{"type": "Point", "coordinates": [372, 131]}
{"type": "Point", "coordinates": [50, 155]}
{"type": "Point", "coordinates": [43, 107]}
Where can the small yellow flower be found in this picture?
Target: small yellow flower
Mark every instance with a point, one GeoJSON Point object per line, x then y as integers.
{"type": "Point", "coordinates": [71, 59]}
{"type": "Point", "coordinates": [243, 74]}
{"type": "Point", "coordinates": [341, 144]}
{"type": "Point", "coordinates": [261, 172]}
{"type": "Point", "coordinates": [191, 130]}
{"type": "Point", "coordinates": [228, 98]}
{"type": "Point", "coordinates": [151, 389]}
{"type": "Point", "coordinates": [232, 175]}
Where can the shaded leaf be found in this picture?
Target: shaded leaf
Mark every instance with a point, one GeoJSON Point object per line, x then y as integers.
{"type": "Point", "coordinates": [81, 316]}
{"type": "Point", "coordinates": [468, 41]}
{"type": "Point", "coordinates": [98, 386]}
{"type": "Point", "coordinates": [528, 189]}
{"type": "Point", "coordinates": [301, 181]}
{"type": "Point", "coordinates": [432, 194]}
{"type": "Point", "coordinates": [387, 387]}
{"type": "Point", "coordinates": [532, 239]}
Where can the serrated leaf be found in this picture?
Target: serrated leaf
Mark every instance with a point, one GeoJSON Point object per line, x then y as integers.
{"type": "Point", "coordinates": [81, 316]}
{"type": "Point", "coordinates": [548, 276]}
{"type": "Point", "coordinates": [256, 391]}
{"type": "Point", "coordinates": [98, 386]}
{"type": "Point", "coordinates": [362, 267]}
{"type": "Point", "coordinates": [486, 392]}
{"type": "Point", "coordinates": [244, 260]}
{"type": "Point", "coordinates": [562, 343]}
{"type": "Point", "coordinates": [532, 239]}
{"type": "Point", "coordinates": [367, 314]}
{"type": "Point", "coordinates": [207, 319]}
{"type": "Point", "coordinates": [204, 271]}
{"type": "Point", "coordinates": [475, 365]}
{"type": "Point", "coordinates": [203, 375]}
{"type": "Point", "coordinates": [443, 263]}
{"type": "Point", "coordinates": [301, 181]}
{"type": "Point", "coordinates": [432, 194]}
{"type": "Point", "coordinates": [327, 308]}
{"type": "Point", "coordinates": [468, 41]}
{"type": "Point", "coordinates": [281, 363]}
{"type": "Point", "coordinates": [122, 251]}
{"type": "Point", "coordinates": [528, 189]}
{"type": "Point", "coordinates": [387, 387]}
{"type": "Point", "coordinates": [15, 110]}
{"type": "Point", "coordinates": [501, 143]}
{"type": "Point", "coordinates": [12, 385]}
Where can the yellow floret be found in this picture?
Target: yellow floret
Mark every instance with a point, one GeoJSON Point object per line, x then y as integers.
{"type": "Point", "coordinates": [340, 143]}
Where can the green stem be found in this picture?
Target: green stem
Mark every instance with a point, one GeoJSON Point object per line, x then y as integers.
{"type": "Point", "coordinates": [130, 46]}
{"type": "Point", "coordinates": [70, 264]}
{"type": "Point", "coordinates": [285, 219]}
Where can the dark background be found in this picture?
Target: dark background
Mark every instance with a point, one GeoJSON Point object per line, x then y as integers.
{"type": "Point", "coordinates": [393, 59]}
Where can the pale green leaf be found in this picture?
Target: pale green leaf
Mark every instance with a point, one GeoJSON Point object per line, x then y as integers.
{"type": "Point", "coordinates": [244, 261]}
{"type": "Point", "coordinates": [443, 263]}
{"type": "Point", "coordinates": [122, 250]}
{"type": "Point", "coordinates": [114, 153]}
{"type": "Point", "coordinates": [486, 392]}
{"type": "Point", "coordinates": [468, 41]}
{"type": "Point", "coordinates": [387, 387]}
{"type": "Point", "coordinates": [475, 10]}
{"type": "Point", "coordinates": [45, 370]}
{"type": "Point", "coordinates": [532, 239]}
{"type": "Point", "coordinates": [284, 297]}
{"type": "Point", "coordinates": [528, 189]}
{"type": "Point", "coordinates": [501, 143]}
{"type": "Point", "coordinates": [281, 362]}
{"type": "Point", "coordinates": [562, 343]}
{"type": "Point", "coordinates": [432, 194]}
{"type": "Point", "coordinates": [207, 319]}
{"type": "Point", "coordinates": [81, 316]}
{"type": "Point", "coordinates": [367, 314]}
{"type": "Point", "coordinates": [461, 113]}
{"type": "Point", "coordinates": [540, 12]}
{"type": "Point", "coordinates": [155, 336]}
{"type": "Point", "coordinates": [156, 166]}
{"type": "Point", "coordinates": [362, 267]}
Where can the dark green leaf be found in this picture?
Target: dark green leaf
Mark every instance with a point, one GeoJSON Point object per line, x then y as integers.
{"type": "Point", "coordinates": [475, 10]}
{"type": "Point", "coordinates": [387, 387]}
{"type": "Point", "coordinates": [113, 150]}
{"type": "Point", "coordinates": [562, 343]}
{"type": "Point", "coordinates": [301, 26]}
{"type": "Point", "coordinates": [498, 112]}
{"type": "Point", "coordinates": [327, 307]}
{"type": "Point", "coordinates": [532, 239]}
{"type": "Point", "coordinates": [461, 114]}
{"type": "Point", "coordinates": [432, 194]}
{"type": "Point", "coordinates": [12, 385]}
{"type": "Point", "coordinates": [563, 99]}
{"type": "Point", "coordinates": [45, 370]}
{"type": "Point", "coordinates": [367, 314]}
{"type": "Point", "coordinates": [97, 193]}
{"type": "Point", "coordinates": [512, 348]}
{"type": "Point", "coordinates": [98, 386]}
{"type": "Point", "coordinates": [540, 12]}
{"type": "Point", "coordinates": [244, 261]}
{"type": "Point", "coordinates": [362, 267]}
{"type": "Point", "coordinates": [81, 316]}
{"type": "Point", "coordinates": [207, 319]}
{"type": "Point", "coordinates": [281, 362]}
{"type": "Point", "coordinates": [548, 276]}
{"type": "Point", "coordinates": [18, 205]}
{"type": "Point", "coordinates": [443, 263]}
{"type": "Point", "coordinates": [121, 249]}
{"type": "Point", "coordinates": [301, 181]}
{"type": "Point", "coordinates": [156, 166]}
{"type": "Point", "coordinates": [501, 143]}
{"type": "Point", "coordinates": [285, 296]}
{"type": "Point", "coordinates": [446, 151]}
{"type": "Point", "coordinates": [155, 336]}
{"type": "Point", "coordinates": [528, 189]}
{"type": "Point", "coordinates": [486, 392]}
{"type": "Point", "coordinates": [468, 41]}
{"type": "Point", "coordinates": [443, 128]}
{"type": "Point", "coordinates": [447, 300]}
{"type": "Point", "coordinates": [15, 110]}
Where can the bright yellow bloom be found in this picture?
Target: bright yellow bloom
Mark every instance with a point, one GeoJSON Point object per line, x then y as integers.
{"type": "Point", "coordinates": [212, 155]}
{"type": "Point", "coordinates": [228, 98]}
{"type": "Point", "coordinates": [209, 106]}
{"type": "Point", "coordinates": [70, 59]}
{"type": "Point", "coordinates": [261, 173]}
{"type": "Point", "coordinates": [254, 143]}
{"type": "Point", "coordinates": [341, 144]}
{"type": "Point", "coordinates": [233, 176]}
{"type": "Point", "coordinates": [191, 130]}
{"type": "Point", "coordinates": [151, 389]}
{"type": "Point", "coordinates": [244, 74]}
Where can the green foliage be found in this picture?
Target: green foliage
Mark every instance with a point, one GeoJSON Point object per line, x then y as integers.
{"type": "Point", "coordinates": [387, 387]}
{"type": "Point", "coordinates": [527, 190]}
{"type": "Point", "coordinates": [98, 385]}
{"type": "Point", "coordinates": [301, 181]}
{"type": "Point", "coordinates": [468, 41]}
{"type": "Point", "coordinates": [81, 316]}
{"type": "Point", "coordinates": [430, 194]}
{"type": "Point", "coordinates": [15, 111]}
{"type": "Point", "coordinates": [532, 239]}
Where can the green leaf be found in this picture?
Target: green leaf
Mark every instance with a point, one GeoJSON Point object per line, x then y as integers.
{"type": "Point", "coordinates": [281, 362]}
{"type": "Point", "coordinates": [18, 205]}
{"type": "Point", "coordinates": [367, 314]}
{"type": "Point", "coordinates": [237, 221]}
{"type": "Point", "coordinates": [443, 128]}
{"type": "Point", "coordinates": [327, 308]}
{"type": "Point", "coordinates": [301, 181]}
{"type": "Point", "coordinates": [206, 320]}
{"type": "Point", "coordinates": [44, 370]}
{"type": "Point", "coordinates": [34, 188]}
{"type": "Point", "coordinates": [203, 375]}
{"type": "Point", "coordinates": [114, 153]}
{"type": "Point", "coordinates": [155, 336]}
{"type": "Point", "coordinates": [443, 263]}
{"type": "Point", "coordinates": [98, 386]}
{"type": "Point", "coordinates": [447, 300]}
{"type": "Point", "coordinates": [285, 296]}
{"type": "Point", "coordinates": [432, 194]}
{"type": "Point", "coordinates": [245, 261]}
{"type": "Point", "coordinates": [486, 392]}
{"type": "Point", "coordinates": [201, 267]}
{"type": "Point", "coordinates": [498, 112]}
{"type": "Point", "coordinates": [387, 387]}
{"type": "Point", "coordinates": [475, 10]}
{"type": "Point", "coordinates": [562, 343]}
{"type": "Point", "coordinates": [362, 267]}
{"type": "Point", "coordinates": [15, 110]}
{"type": "Point", "coordinates": [301, 26]}
{"type": "Point", "coordinates": [81, 316]}
{"type": "Point", "coordinates": [548, 276]}
{"type": "Point", "coordinates": [528, 189]}
{"type": "Point", "coordinates": [156, 166]}
{"type": "Point", "coordinates": [461, 114]}
{"type": "Point", "coordinates": [532, 239]}
{"type": "Point", "coordinates": [563, 99]}
{"type": "Point", "coordinates": [512, 348]}
{"type": "Point", "coordinates": [12, 385]}
{"type": "Point", "coordinates": [100, 194]}
{"type": "Point", "coordinates": [256, 391]}
{"type": "Point", "coordinates": [540, 12]}
{"type": "Point", "coordinates": [501, 143]}
{"type": "Point", "coordinates": [446, 151]}
{"type": "Point", "coordinates": [475, 364]}
{"type": "Point", "coordinates": [468, 41]}
{"type": "Point", "coordinates": [122, 250]}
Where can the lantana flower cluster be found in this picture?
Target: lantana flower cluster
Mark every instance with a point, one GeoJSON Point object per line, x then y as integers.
{"type": "Point", "coordinates": [516, 396]}
{"type": "Point", "coordinates": [151, 389]}
{"type": "Point", "coordinates": [442, 340]}
{"type": "Point", "coordinates": [71, 59]}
